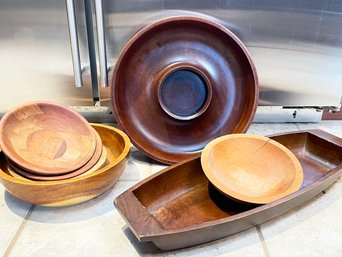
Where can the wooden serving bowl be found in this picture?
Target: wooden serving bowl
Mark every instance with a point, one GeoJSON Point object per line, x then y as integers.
{"type": "Point", "coordinates": [78, 189]}
{"type": "Point", "coordinates": [9, 169]}
{"type": "Point", "coordinates": [251, 168]}
{"type": "Point", "coordinates": [46, 138]}
{"type": "Point", "coordinates": [180, 82]}
{"type": "Point", "coordinates": [85, 168]}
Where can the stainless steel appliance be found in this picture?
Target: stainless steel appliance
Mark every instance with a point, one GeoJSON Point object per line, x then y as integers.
{"type": "Point", "coordinates": [296, 46]}
{"type": "Point", "coordinates": [35, 62]}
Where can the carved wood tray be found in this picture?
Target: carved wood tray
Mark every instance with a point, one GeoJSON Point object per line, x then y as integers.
{"type": "Point", "coordinates": [178, 207]}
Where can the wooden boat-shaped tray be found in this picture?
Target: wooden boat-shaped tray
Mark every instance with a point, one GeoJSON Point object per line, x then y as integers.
{"type": "Point", "coordinates": [178, 207]}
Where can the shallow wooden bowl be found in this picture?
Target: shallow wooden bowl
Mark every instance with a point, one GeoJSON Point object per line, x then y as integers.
{"type": "Point", "coordinates": [101, 162]}
{"type": "Point", "coordinates": [77, 189]}
{"type": "Point", "coordinates": [251, 168]}
{"type": "Point", "coordinates": [85, 168]}
{"type": "Point", "coordinates": [180, 82]}
{"type": "Point", "coordinates": [46, 138]}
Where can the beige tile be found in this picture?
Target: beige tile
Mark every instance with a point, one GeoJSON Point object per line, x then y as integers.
{"type": "Point", "coordinates": [314, 229]}
{"type": "Point", "coordinates": [333, 127]}
{"type": "Point", "coordinates": [265, 129]}
{"type": "Point", "coordinates": [141, 166]}
{"type": "Point", "coordinates": [92, 229]}
{"type": "Point", "coordinates": [138, 167]}
{"type": "Point", "coordinates": [95, 228]}
{"type": "Point", "coordinates": [12, 211]}
{"type": "Point", "coordinates": [157, 166]}
{"type": "Point", "coordinates": [243, 244]}
{"type": "Point", "coordinates": [98, 236]}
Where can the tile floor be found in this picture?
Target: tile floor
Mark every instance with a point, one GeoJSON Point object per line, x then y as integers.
{"type": "Point", "coordinates": [95, 228]}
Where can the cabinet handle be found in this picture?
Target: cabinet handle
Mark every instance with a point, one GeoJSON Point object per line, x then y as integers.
{"type": "Point", "coordinates": [101, 42]}
{"type": "Point", "coordinates": [75, 51]}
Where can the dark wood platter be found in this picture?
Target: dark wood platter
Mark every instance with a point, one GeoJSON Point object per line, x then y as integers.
{"type": "Point", "coordinates": [178, 207]}
{"type": "Point", "coordinates": [181, 82]}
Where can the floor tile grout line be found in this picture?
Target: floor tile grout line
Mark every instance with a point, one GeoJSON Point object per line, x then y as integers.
{"type": "Point", "coordinates": [128, 180]}
{"type": "Point", "coordinates": [297, 126]}
{"type": "Point", "coordinates": [19, 231]}
{"type": "Point", "coordinates": [262, 240]}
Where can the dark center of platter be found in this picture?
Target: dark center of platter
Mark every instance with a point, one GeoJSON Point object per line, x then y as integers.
{"type": "Point", "coordinates": [183, 94]}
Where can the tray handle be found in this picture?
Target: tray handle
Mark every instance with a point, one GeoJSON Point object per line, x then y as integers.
{"type": "Point", "coordinates": [140, 221]}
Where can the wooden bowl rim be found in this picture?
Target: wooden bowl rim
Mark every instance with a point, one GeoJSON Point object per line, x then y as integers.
{"type": "Point", "coordinates": [85, 168]}
{"type": "Point", "coordinates": [27, 165]}
{"type": "Point", "coordinates": [298, 170]}
{"type": "Point", "coordinates": [173, 67]}
{"type": "Point", "coordinates": [184, 17]}
{"type": "Point", "coordinates": [123, 154]}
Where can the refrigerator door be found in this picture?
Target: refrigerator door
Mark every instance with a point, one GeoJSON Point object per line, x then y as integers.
{"type": "Point", "coordinates": [36, 58]}
{"type": "Point", "coordinates": [296, 45]}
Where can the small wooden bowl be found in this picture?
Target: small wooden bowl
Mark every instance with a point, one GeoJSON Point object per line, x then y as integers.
{"type": "Point", "coordinates": [9, 168]}
{"type": "Point", "coordinates": [251, 168]}
{"type": "Point", "coordinates": [85, 168]}
{"type": "Point", "coordinates": [77, 189]}
{"type": "Point", "coordinates": [46, 138]}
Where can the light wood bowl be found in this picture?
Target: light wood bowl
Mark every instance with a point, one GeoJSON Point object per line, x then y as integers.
{"type": "Point", "coordinates": [251, 168]}
{"type": "Point", "coordinates": [78, 189]}
{"type": "Point", "coordinates": [46, 138]}
{"type": "Point", "coordinates": [85, 168]}
{"type": "Point", "coordinates": [9, 168]}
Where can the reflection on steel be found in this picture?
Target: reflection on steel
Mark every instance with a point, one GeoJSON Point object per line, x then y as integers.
{"type": "Point", "coordinates": [101, 43]}
{"type": "Point", "coordinates": [296, 45]}
{"type": "Point", "coordinates": [75, 52]}
{"type": "Point", "coordinates": [36, 62]}
{"type": "Point", "coordinates": [276, 114]}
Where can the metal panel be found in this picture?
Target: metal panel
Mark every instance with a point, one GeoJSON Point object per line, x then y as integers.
{"type": "Point", "coordinates": [296, 44]}
{"type": "Point", "coordinates": [35, 52]}
{"type": "Point", "coordinates": [276, 114]}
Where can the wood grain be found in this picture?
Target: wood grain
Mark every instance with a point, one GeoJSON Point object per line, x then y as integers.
{"type": "Point", "coordinates": [85, 168]}
{"type": "Point", "coordinates": [97, 166]}
{"type": "Point", "coordinates": [46, 138]}
{"type": "Point", "coordinates": [77, 189]}
{"type": "Point", "coordinates": [251, 168]}
{"type": "Point", "coordinates": [178, 206]}
{"type": "Point", "coordinates": [169, 114]}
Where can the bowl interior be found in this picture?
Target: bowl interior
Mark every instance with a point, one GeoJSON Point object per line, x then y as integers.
{"type": "Point", "coordinates": [251, 168]}
{"type": "Point", "coordinates": [84, 169]}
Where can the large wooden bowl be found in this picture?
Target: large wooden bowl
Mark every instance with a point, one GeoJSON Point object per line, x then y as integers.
{"type": "Point", "coordinates": [251, 168]}
{"type": "Point", "coordinates": [46, 138]}
{"type": "Point", "coordinates": [77, 189]}
{"type": "Point", "coordinates": [181, 82]}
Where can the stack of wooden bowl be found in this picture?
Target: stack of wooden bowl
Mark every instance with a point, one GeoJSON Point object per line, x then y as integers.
{"type": "Point", "coordinates": [49, 148]}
